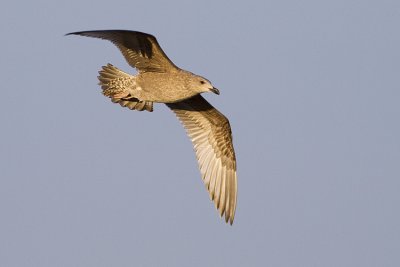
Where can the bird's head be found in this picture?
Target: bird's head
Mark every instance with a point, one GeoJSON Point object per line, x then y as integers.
{"type": "Point", "coordinates": [202, 85]}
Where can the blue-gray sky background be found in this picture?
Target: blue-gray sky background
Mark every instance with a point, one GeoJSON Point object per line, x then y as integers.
{"type": "Point", "coordinates": [311, 89]}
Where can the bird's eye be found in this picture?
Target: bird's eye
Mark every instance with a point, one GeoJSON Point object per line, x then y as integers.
{"type": "Point", "coordinates": [202, 82]}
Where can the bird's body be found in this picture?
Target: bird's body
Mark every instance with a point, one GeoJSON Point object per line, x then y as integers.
{"type": "Point", "coordinates": [179, 80]}
{"type": "Point", "coordinates": [159, 80]}
{"type": "Point", "coordinates": [150, 86]}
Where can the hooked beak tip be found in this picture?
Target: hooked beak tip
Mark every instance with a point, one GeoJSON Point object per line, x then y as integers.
{"type": "Point", "coordinates": [214, 90]}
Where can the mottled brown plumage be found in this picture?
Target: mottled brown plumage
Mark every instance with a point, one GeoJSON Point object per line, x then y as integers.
{"type": "Point", "coordinates": [159, 80]}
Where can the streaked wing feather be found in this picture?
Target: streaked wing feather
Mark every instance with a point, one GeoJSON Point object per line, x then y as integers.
{"type": "Point", "coordinates": [211, 136]}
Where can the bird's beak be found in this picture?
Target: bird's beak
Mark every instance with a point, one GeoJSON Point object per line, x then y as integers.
{"type": "Point", "coordinates": [214, 90]}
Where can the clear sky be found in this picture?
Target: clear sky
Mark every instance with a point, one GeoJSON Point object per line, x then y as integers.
{"type": "Point", "coordinates": [312, 92]}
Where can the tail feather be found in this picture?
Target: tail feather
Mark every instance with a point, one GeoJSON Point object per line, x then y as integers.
{"type": "Point", "coordinates": [119, 86]}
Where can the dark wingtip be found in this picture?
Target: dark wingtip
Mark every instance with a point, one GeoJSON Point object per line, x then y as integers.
{"type": "Point", "coordinates": [73, 33]}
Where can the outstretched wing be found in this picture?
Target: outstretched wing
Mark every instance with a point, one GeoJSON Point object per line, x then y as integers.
{"type": "Point", "coordinates": [211, 136]}
{"type": "Point", "coordinates": [141, 50]}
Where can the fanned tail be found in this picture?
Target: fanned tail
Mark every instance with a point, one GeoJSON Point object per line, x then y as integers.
{"type": "Point", "coordinates": [120, 86]}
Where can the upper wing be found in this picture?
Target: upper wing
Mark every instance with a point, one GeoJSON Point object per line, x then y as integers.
{"type": "Point", "coordinates": [211, 136]}
{"type": "Point", "coordinates": [141, 50]}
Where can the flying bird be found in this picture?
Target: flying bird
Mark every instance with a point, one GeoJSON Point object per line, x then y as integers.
{"type": "Point", "coordinates": [159, 80]}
